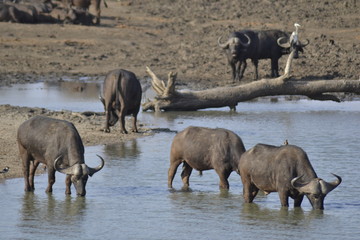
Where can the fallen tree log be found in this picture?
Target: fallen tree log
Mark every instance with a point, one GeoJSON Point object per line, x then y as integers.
{"type": "Point", "coordinates": [168, 99]}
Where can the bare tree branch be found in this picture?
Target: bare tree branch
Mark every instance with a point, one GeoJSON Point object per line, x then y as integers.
{"type": "Point", "coordinates": [168, 99]}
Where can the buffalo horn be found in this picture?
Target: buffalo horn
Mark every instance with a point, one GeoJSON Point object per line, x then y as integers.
{"type": "Point", "coordinates": [295, 184]}
{"type": "Point", "coordinates": [328, 187]}
{"type": "Point", "coordinates": [223, 45]}
{"type": "Point", "coordinates": [283, 45]}
{"type": "Point", "coordinates": [92, 171]}
{"type": "Point", "coordinates": [248, 42]}
{"type": "Point", "coordinates": [305, 44]}
{"type": "Point", "coordinates": [68, 170]}
{"type": "Point", "coordinates": [302, 187]}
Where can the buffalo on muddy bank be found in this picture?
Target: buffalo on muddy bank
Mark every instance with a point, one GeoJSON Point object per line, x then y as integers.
{"type": "Point", "coordinates": [256, 45]}
{"type": "Point", "coordinates": [121, 96]}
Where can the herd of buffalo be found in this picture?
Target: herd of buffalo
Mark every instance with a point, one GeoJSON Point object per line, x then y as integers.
{"type": "Point", "coordinates": [56, 143]}
{"type": "Point", "coordinates": [50, 11]}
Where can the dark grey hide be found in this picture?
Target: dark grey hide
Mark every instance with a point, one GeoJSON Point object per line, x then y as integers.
{"type": "Point", "coordinates": [203, 149]}
{"type": "Point", "coordinates": [57, 144]}
{"type": "Point", "coordinates": [121, 97]}
{"type": "Point", "coordinates": [256, 45]}
{"type": "Point", "coordinates": [286, 170]}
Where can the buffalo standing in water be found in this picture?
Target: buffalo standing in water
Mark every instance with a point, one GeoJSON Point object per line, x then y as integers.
{"type": "Point", "coordinates": [286, 170]}
{"type": "Point", "coordinates": [203, 149]}
{"type": "Point", "coordinates": [58, 145]}
{"type": "Point", "coordinates": [122, 96]}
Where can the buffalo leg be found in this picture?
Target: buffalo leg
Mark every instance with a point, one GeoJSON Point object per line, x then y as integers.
{"type": "Point", "coordinates": [134, 123]}
{"type": "Point", "coordinates": [172, 171]}
{"type": "Point", "coordinates": [122, 114]}
{"type": "Point", "coordinates": [122, 122]}
{"type": "Point", "coordinates": [51, 179]}
{"type": "Point", "coordinates": [97, 11]}
{"type": "Point", "coordinates": [224, 183]}
{"type": "Point", "coordinates": [33, 167]}
{"type": "Point", "coordinates": [68, 184]}
{"type": "Point", "coordinates": [107, 118]}
{"type": "Point", "coordinates": [241, 69]}
{"type": "Point", "coordinates": [298, 200]}
{"type": "Point", "coordinates": [249, 190]}
{"type": "Point", "coordinates": [274, 68]}
{"type": "Point", "coordinates": [185, 175]}
{"type": "Point", "coordinates": [256, 63]}
{"type": "Point", "coordinates": [233, 71]}
{"type": "Point", "coordinates": [237, 71]}
{"type": "Point", "coordinates": [26, 161]}
{"type": "Point", "coordinates": [284, 198]}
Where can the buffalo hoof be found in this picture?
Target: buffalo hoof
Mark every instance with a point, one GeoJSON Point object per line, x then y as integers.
{"type": "Point", "coordinates": [29, 189]}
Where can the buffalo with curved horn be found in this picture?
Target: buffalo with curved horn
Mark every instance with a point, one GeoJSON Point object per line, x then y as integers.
{"type": "Point", "coordinates": [280, 169]}
{"type": "Point", "coordinates": [51, 142]}
{"type": "Point", "coordinates": [316, 189]}
{"type": "Point", "coordinates": [266, 44]}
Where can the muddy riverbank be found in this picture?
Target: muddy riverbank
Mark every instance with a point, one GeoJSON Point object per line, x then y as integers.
{"type": "Point", "coordinates": [88, 125]}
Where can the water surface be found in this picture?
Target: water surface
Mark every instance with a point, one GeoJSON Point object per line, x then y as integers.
{"type": "Point", "coordinates": [129, 198]}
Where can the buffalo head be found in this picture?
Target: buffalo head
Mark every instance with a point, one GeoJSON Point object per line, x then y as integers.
{"type": "Point", "coordinates": [235, 45]}
{"type": "Point", "coordinates": [113, 117]}
{"type": "Point", "coordinates": [315, 190]}
{"type": "Point", "coordinates": [292, 44]}
{"type": "Point", "coordinates": [79, 173]}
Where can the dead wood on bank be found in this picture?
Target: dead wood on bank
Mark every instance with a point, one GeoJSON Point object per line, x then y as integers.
{"type": "Point", "coordinates": [168, 99]}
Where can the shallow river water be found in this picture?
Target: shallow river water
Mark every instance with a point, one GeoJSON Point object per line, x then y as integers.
{"type": "Point", "coordinates": [129, 198]}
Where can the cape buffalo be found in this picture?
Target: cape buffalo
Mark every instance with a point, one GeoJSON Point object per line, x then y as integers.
{"type": "Point", "coordinates": [122, 96]}
{"type": "Point", "coordinates": [19, 13]}
{"type": "Point", "coordinates": [286, 170]}
{"type": "Point", "coordinates": [257, 45]}
{"type": "Point", "coordinates": [203, 149]}
{"type": "Point", "coordinates": [57, 144]}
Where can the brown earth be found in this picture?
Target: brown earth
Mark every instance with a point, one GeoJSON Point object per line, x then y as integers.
{"type": "Point", "coordinates": [167, 35]}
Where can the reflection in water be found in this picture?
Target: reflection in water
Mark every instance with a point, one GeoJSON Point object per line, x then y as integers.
{"type": "Point", "coordinates": [253, 211]}
{"type": "Point", "coordinates": [74, 96]}
{"type": "Point", "coordinates": [205, 201]}
{"type": "Point", "coordinates": [128, 149]}
{"type": "Point", "coordinates": [43, 214]}
{"type": "Point", "coordinates": [76, 89]}
{"type": "Point", "coordinates": [131, 196]}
